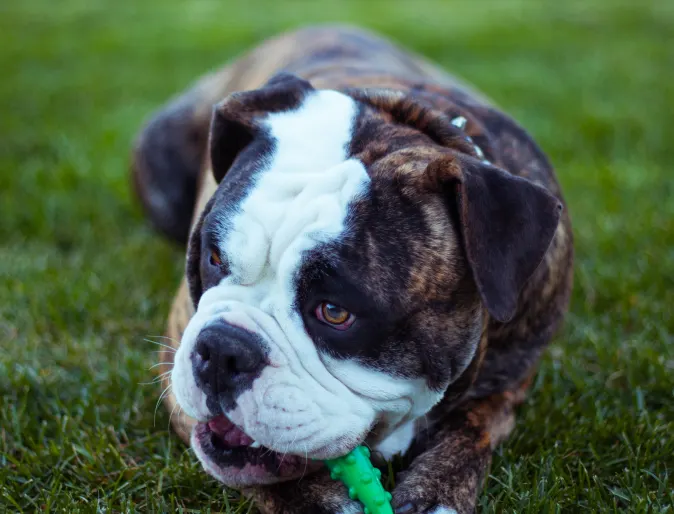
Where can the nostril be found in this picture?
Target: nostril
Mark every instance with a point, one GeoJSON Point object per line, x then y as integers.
{"type": "Point", "coordinates": [204, 352]}
{"type": "Point", "coordinates": [201, 360]}
{"type": "Point", "coordinates": [231, 365]}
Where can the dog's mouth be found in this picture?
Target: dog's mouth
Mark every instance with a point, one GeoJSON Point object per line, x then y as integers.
{"type": "Point", "coordinates": [235, 459]}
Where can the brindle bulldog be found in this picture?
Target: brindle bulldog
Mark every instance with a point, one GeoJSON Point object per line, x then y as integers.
{"type": "Point", "coordinates": [375, 255]}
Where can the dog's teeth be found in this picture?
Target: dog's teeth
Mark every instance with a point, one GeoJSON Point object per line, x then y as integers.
{"type": "Point", "coordinates": [255, 444]}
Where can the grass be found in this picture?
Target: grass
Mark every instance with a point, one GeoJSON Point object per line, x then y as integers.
{"type": "Point", "coordinates": [83, 280]}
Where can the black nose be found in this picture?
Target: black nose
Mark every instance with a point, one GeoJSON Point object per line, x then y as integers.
{"type": "Point", "coordinates": [227, 359]}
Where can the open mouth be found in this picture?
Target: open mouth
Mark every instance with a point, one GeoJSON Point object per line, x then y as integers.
{"type": "Point", "coordinates": [237, 460]}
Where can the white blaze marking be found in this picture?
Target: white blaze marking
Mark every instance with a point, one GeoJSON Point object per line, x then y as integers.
{"type": "Point", "coordinates": [302, 192]}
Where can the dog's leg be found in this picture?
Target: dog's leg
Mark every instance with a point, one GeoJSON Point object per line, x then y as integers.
{"type": "Point", "coordinates": [446, 478]}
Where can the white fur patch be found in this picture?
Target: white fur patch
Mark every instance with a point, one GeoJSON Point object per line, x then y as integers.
{"type": "Point", "coordinates": [442, 510]}
{"type": "Point", "coordinates": [303, 402]}
{"type": "Point", "coordinates": [397, 442]}
{"type": "Point", "coordinates": [302, 193]}
{"type": "Point", "coordinates": [397, 401]}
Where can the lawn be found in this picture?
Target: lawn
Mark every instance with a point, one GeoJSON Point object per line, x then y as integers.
{"type": "Point", "coordinates": [84, 280]}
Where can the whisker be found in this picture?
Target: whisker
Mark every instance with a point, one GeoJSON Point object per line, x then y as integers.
{"type": "Point", "coordinates": [165, 337]}
{"type": "Point", "coordinates": [286, 452]}
{"type": "Point", "coordinates": [158, 378]}
{"type": "Point", "coordinates": [165, 392]}
{"type": "Point", "coordinates": [161, 364]}
{"type": "Point", "coordinates": [170, 416]}
{"type": "Point", "coordinates": [160, 344]}
{"type": "Point", "coordinates": [161, 397]}
{"type": "Point", "coordinates": [269, 450]}
{"type": "Point", "coordinates": [306, 463]}
{"type": "Point", "coordinates": [282, 457]}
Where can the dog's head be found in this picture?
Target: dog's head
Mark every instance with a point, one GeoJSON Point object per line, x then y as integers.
{"type": "Point", "coordinates": [342, 271]}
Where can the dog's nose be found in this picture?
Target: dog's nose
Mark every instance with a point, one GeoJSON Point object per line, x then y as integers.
{"type": "Point", "coordinates": [226, 358]}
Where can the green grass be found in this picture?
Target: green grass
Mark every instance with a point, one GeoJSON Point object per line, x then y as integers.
{"type": "Point", "coordinates": [83, 279]}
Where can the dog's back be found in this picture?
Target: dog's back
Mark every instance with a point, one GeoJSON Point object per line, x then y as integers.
{"type": "Point", "coordinates": [170, 149]}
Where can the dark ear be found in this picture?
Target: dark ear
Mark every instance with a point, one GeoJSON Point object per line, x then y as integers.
{"type": "Point", "coordinates": [507, 224]}
{"type": "Point", "coordinates": [237, 120]}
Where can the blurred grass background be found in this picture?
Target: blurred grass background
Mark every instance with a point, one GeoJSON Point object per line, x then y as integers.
{"type": "Point", "coordinates": [83, 280]}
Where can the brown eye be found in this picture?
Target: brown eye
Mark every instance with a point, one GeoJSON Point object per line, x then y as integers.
{"type": "Point", "coordinates": [215, 259]}
{"type": "Point", "coordinates": [334, 315]}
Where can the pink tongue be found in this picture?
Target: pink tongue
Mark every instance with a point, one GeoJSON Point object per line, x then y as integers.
{"type": "Point", "coordinates": [229, 432]}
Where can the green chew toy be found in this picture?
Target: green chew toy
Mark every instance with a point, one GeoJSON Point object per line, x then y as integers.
{"type": "Point", "coordinates": [358, 474]}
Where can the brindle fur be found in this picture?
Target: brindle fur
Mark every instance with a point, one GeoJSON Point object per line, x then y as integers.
{"type": "Point", "coordinates": [449, 459]}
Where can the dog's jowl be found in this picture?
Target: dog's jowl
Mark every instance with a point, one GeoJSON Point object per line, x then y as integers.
{"type": "Point", "coordinates": [375, 255]}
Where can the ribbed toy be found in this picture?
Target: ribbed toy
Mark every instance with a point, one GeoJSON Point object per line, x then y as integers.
{"type": "Point", "coordinates": [361, 478]}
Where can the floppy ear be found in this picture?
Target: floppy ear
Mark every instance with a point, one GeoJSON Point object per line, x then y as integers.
{"type": "Point", "coordinates": [507, 224]}
{"type": "Point", "coordinates": [238, 119]}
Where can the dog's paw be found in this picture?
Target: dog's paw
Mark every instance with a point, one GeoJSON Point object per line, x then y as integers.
{"type": "Point", "coordinates": [313, 494]}
{"type": "Point", "coordinates": [414, 508]}
{"type": "Point", "coordinates": [432, 500]}
{"type": "Point", "coordinates": [436, 490]}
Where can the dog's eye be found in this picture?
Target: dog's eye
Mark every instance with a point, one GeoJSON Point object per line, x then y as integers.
{"type": "Point", "coordinates": [215, 259]}
{"type": "Point", "coordinates": [334, 315]}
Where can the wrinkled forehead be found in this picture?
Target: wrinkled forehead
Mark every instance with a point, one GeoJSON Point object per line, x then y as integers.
{"type": "Point", "coordinates": [294, 190]}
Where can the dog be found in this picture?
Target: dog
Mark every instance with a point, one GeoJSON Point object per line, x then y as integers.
{"type": "Point", "coordinates": [375, 255]}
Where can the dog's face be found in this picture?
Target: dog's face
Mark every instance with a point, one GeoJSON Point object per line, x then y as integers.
{"type": "Point", "coordinates": [342, 273]}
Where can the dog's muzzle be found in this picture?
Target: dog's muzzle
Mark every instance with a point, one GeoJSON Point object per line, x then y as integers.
{"type": "Point", "coordinates": [226, 359]}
